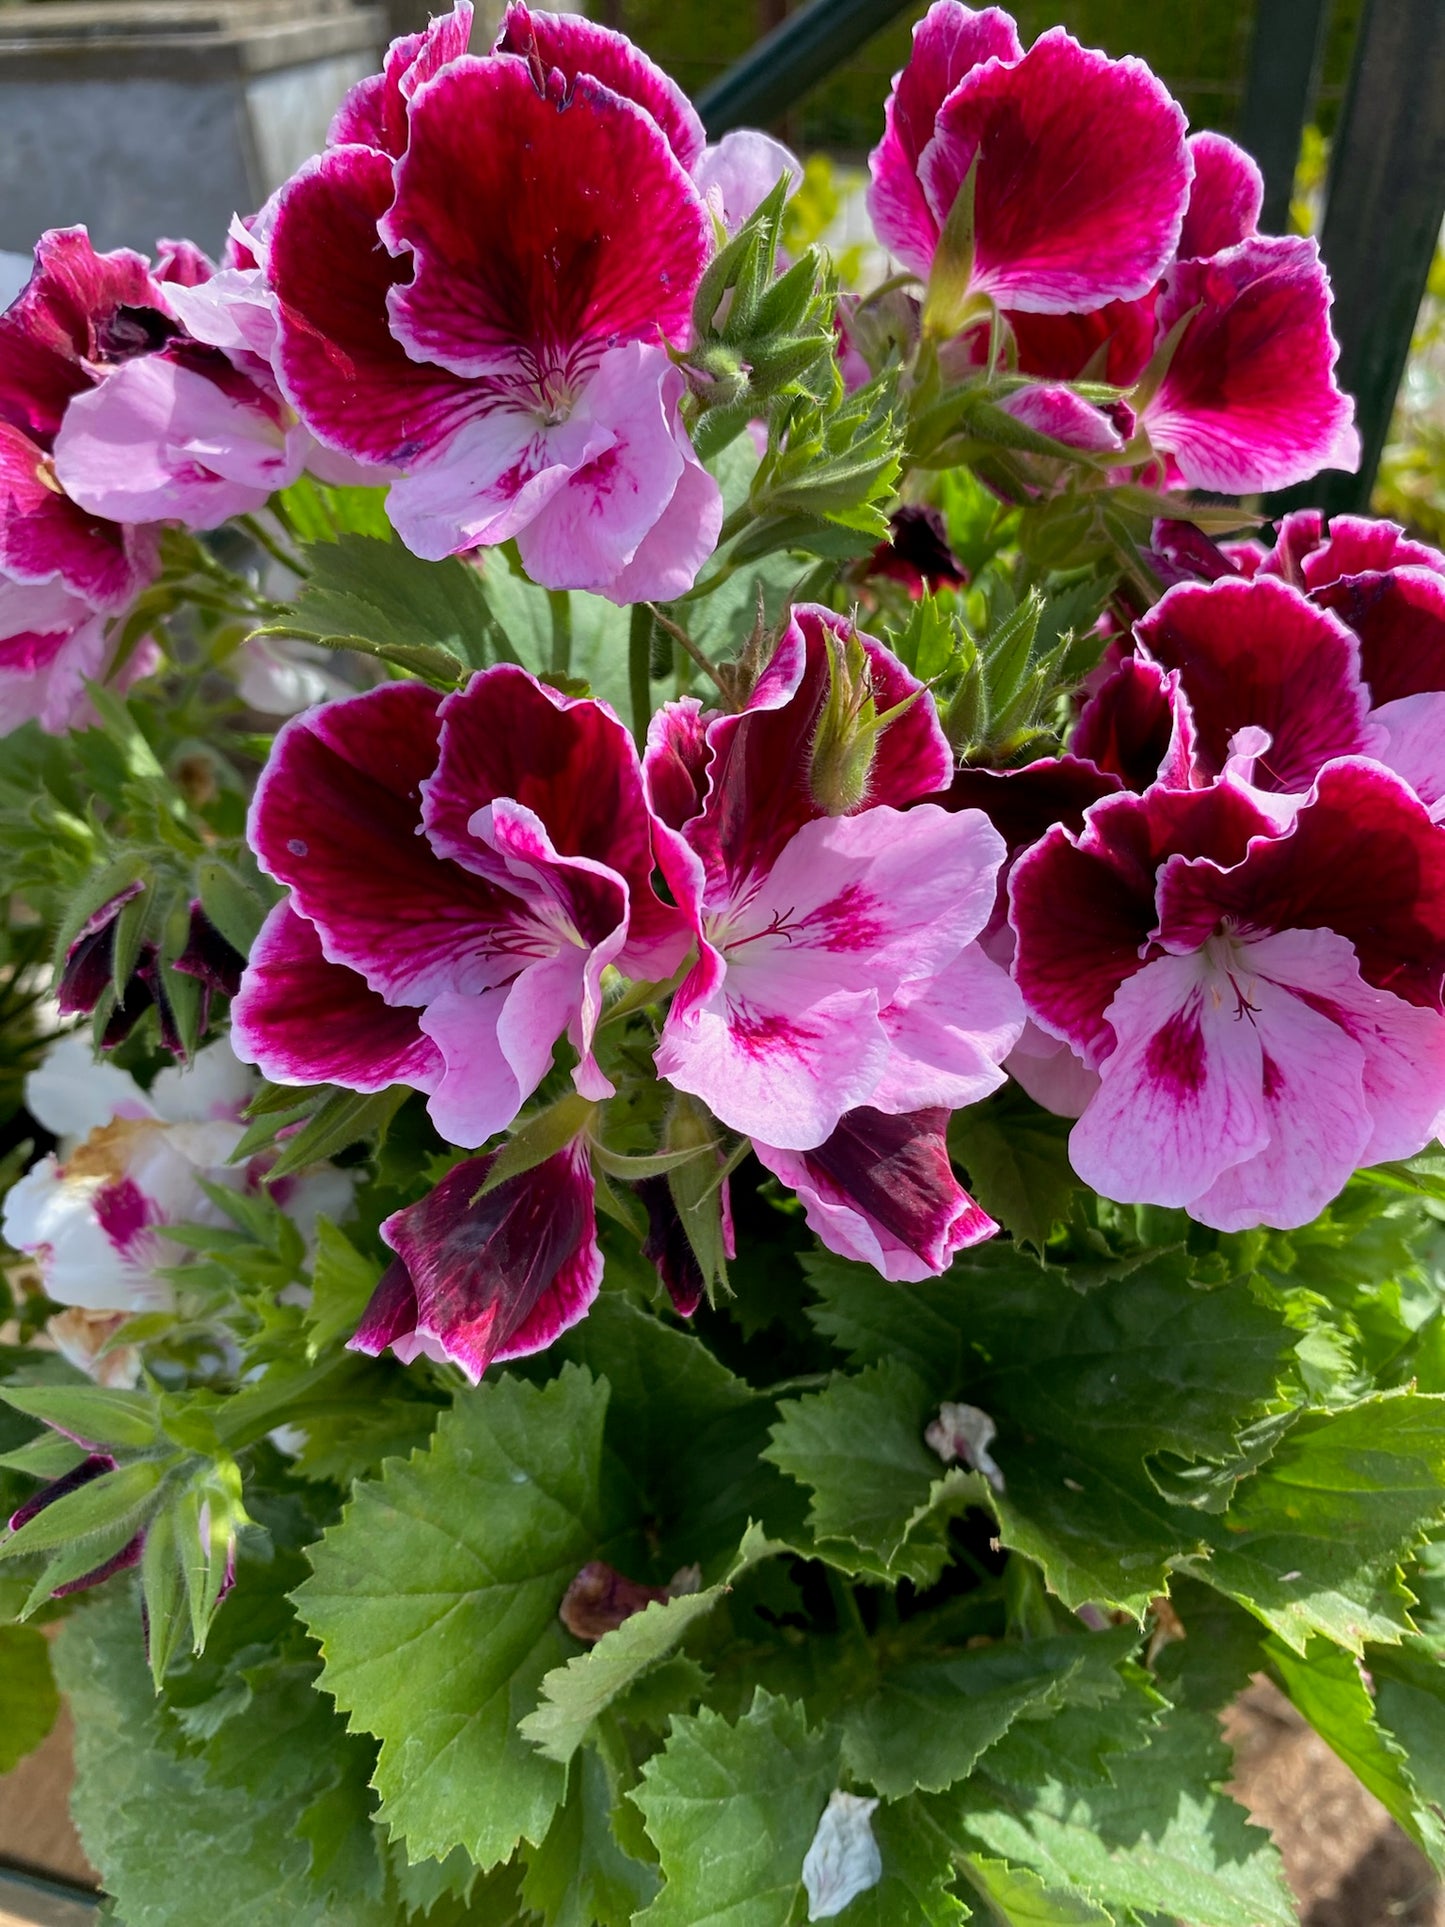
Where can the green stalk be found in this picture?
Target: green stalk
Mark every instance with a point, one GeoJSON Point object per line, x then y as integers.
{"type": "Point", "coordinates": [639, 670]}
{"type": "Point", "coordinates": [559, 601]}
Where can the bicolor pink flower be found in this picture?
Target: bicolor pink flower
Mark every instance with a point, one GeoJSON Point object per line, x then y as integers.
{"type": "Point", "coordinates": [837, 964]}
{"type": "Point", "coordinates": [880, 1189]}
{"type": "Point", "coordinates": [483, 312]}
{"type": "Point", "coordinates": [1081, 168]}
{"type": "Point", "coordinates": [478, 1279]}
{"type": "Point", "coordinates": [51, 644]}
{"type": "Point", "coordinates": [1257, 988]}
{"type": "Point", "coordinates": [462, 871]}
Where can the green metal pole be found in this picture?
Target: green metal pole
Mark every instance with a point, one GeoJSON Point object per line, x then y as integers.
{"type": "Point", "coordinates": [1382, 218]}
{"type": "Point", "coordinates": [772, 76]}
{"type": "Point", "coordinates": [1284, 64]}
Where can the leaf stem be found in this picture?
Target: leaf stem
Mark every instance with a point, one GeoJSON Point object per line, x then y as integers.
{"type": "Point", "coordinates": [639, 671]}
{"type": "Point", "coordinates": [265, 540]}
{"type": "Point", "coordinates": [559, 601]}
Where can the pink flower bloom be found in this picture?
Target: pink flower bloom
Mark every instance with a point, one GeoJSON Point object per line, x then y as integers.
{"type": "Point", "coordinates": [837, 966]}
{"type": "Point", "coordinates": [881, 1190]}
{"type": "Point", "coordinates": [462, 871]}
{"type": "Point", "coordinates": [481, 313]}
{"type": "Point", "coordinates": [1054, 410]}
{"type": "Point", "coordinates": [477, 1279]}
{"type": "Point", "coordinates": [51, 644]}
{"type": "Point", "coordinates": [1082, 170]}
{"type": "Point", "coordinates": [1249, 400]}
{"type": "Point", "coordinates": [1257, 989]}
{"type": "Point", "coordinates": [373, 113]}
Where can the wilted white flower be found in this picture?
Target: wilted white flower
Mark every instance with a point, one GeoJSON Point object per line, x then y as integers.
{"type": "Point", "coordinates": [843, 1860]}
{"type": "Point", "coordinates": [93, 1215]}
{"type": "Point", "coordinates": [965, 1432]}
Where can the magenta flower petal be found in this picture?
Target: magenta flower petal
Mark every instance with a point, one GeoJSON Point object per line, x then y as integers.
{"type": "Point", "coordinates": [89, 307]}
{"type": "Point", "coordinates": [948, 43]}
{"type": "Point", "coordinates": [739, 173]}
{"type": "Point", "coordinates": [1112, 343]}
{"type": "Point", "coordinates": [176, 437]}
{"type": "Point", "coordinates": [1257, 653]}
{"type": "Point", "coordinates": [1055, 410]}
{"type": "Point", "coordinates": [1083, 906]}
{"type": "Point", "coordinates": [1250, 400]}
{"type": "Point", "coordinates": [181, 264]}
{"type": "Point", "coordinates": [44, 536]}
{"type": "Point", "coordinates": [520, 251]}
{"type": "Point", "coordinates": [373, 113]}
{"type": "Point", "coordinates": [1414, 744]}
{"type": "Point", "coordinates": [341, 367]}
{"type": "Point", "coordinates": [51, 644]}
{"type": "Point", "coordinates": [337, 816]}
{"type": "Point", "coordinates": [1224, 199]}
{"type": "Point", "coordinates": [949, 1034]}
{"type": "Point", "coordinates": [1082, 179]}
{"type": "Point", "coordinates": [572, 763]}
{"type": "Point", "coordinates": [1399, 617]}
{"type": "Point", "coordinates": [1362, 857]}
{"type": "Point", "coordinates": [489, 1278]}
{"type": "Point", "coordinates": [303, 1020]}
{"type": "Point", "coordinates": [1312, 556]}
{"type": "Point", "coordinates": [881, 1190]}
{"type": "Point", "coordinates": [565, 43]}
{"type": "Point", "coordinates": [1139, 727]}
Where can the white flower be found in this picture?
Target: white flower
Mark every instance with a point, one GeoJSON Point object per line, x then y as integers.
{"type": "Point", "coordinates": [843, 1860]}
{"type": "Point", "coordinates": [93, 1215]}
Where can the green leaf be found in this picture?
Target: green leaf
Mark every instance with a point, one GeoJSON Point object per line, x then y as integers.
{"type": "Point", "coordinates": [435, 1603]}
{"type": "Point", "coordinates": [540, 1138]}
{"type": "Point", "coordinates": [1019, 1898]}
{"type": "Point", "coordinates": [28, 1699]}
{"type": "Point", "coordinates": [1410, 1705]}
{"type": "Point", "coordinates": [1325, 1684]}
{"type": "Point", "coordinates": [732, 1811]}
{"type": "Point", "coordinates": [376, 596]}
{"type": "Point", "coordinates": [1089, 1391]}
{"type": "Point", "coordinates": [237, 910]}
{"type": "Point", "coordinates": [858, 1446]}
{"type": "Point", "coordinates": [342, 1281]}
{"type": "Point", "coordinates": [926, 1724]}
{"type": "Point", "coordinates": [1154, 1837]}
{"type": "Point", "coordinates": [575, 1695]}
{"type": "Point", "coordinates": [91, 1413]}
{"type": "Point", "coordinates": [918, 1873]}
{"type": "Point", "coordinates": [345, 1117]}
{"type": "Point", "coordinates": [115, 1501]}
{"type": "Point", "coordinates": [1016, 1157]}
{"type": "Point", "coordinates": [579, 1876]}
{"type": "Point", "coordinates": [1313, 1543]}
{"type": "Point", "coordinates": [155, 1822]}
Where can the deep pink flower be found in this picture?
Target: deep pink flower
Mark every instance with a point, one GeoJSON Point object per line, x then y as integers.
{"type": "Point", "coordinates": [917, 552]}
{"type": "Point", "coordinates": [881, 1190]}
{"type": "Point", "coordinates": [1082, 170]}
{"type": "Point", "coordinates": [1250, 401]}
{"type": "Point", "coordinates": [462, 871]}
{"type": "Point", "coordinates": [485, 313]}
{"type": "Point", "coordinates": [477, 1279]}
{"type": "Point", "coordinates": [1258, 989]}
{"type": "Point", "coordinates": [51, 644]}
{"type": "Point", "coordinates": [837, 964]}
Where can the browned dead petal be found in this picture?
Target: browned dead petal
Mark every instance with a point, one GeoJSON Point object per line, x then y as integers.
{"type": "Point", "coordinates": [600, 1598]}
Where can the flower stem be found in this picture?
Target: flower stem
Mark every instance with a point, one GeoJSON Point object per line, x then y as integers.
{"type": "Point", "coordinates": [559, 601]}
{"type": "Point", "coordinates": [265, 540]}
{"type": "Point", "coordinates": [639, 671]}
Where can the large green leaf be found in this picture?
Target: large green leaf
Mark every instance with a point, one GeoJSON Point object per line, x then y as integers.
{"type": "Point", "coordinates": [159, 1826]}
{"type": "Point", "coordinates": [435, 1603]}
{"type": "Point", "coordinates": [927, 1723]}
{"type": "Point", "coordinates": [1313, 1543]}
{"type": "Point", "coordinates": [732, 1811]}
{"type": "Point", "coordinates": [28, 1701]}
{"type": "Point", "coordinates": [1326, 1686]}
{"type": "Point", "coordinates": [1100, 1398]}
{"type": "Point", "coordinates": [579, 1876]}
{"type": "Point", "coordinates": [1154, 1836]}
{"type": "Point", "coordinates": [858, 1447]}
{"type": "Point", "coordinates": [1018, 1898]}
{"type": "Point", "coordinates": [916, 1889]}
{"type": "Point", "coordinates": [1410, 1705]}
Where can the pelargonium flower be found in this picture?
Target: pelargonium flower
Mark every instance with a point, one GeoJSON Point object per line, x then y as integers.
{"type": "Point", "coordinates": [462, 870]}
{"type": "Point", "coordinates": [481, 310]}
{"type": "Point", "coordinates": [1257, 985]}
{"type": "Point", "coordinates": [837, 964]}
{"type": "Point", "coordinates": [1354, 667]}
{"type": "Point", "coordinates": [51, 644]}
{"type": "Point", "coordinates": [881, 1189]}
{"type": "Point", "coordinates": [88, 973]}
{"type": "Point", "coordinates": [1081, 172]}
{"type": "Point", "coordinates": [1249, 399]}
{"type": "Point", "coordinates": [482, 1278]}
{"type": "Point", "coordinates": [94, 1215]}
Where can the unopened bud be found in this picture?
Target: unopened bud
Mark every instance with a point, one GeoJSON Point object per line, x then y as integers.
{"type": "Point", "coordinates": [845, 740]}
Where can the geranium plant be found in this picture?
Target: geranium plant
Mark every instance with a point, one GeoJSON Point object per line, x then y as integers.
{"type": "Point", "coordinates": [723, 1035]}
